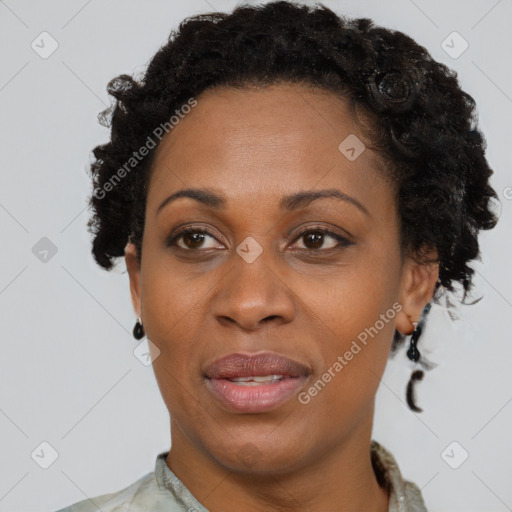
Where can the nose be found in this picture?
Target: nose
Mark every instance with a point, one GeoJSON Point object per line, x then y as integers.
{"type": "Point", "coordinates": [253, 295]}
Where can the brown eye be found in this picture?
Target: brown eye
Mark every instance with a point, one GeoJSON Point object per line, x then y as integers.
{"type": "Point", "coordinates": [316, 238]}
{"type": "Point", "coordinates": [192, 239]}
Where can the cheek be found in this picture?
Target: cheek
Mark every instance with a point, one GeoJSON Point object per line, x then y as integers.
{"type": "Point", "coordinates": [356, 323]}
{"type": "Point", "coordinates": [168, 298]}
{"type": "Point", "coordinates": [171, 308]}
{"type": "Point", "coordinates": [175, 310]}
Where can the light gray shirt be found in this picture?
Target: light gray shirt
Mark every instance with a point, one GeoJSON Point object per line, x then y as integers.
{"type": "Point", "coordinates": [162, 491]}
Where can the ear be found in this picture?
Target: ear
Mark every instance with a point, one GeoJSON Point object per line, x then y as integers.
{"type": "Point", "coordinates": [133, 267]}
{"type": "Point", "coordinates": [417, 287]}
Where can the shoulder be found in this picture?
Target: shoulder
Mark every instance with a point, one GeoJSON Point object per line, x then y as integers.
{"type": "Point", "coordinates": [404, 496]}
{"type": "Point", "coordinates": [136, 497]}
{"type": "Point", "coordinates": [413, 500]}
{"type": "Point", "coordinates": [157, 491]}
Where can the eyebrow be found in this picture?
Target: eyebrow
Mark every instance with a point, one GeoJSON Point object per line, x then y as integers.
{"type": "Point", "coordinates": [291, 202]}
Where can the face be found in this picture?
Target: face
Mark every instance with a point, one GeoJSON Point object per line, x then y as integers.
{"type": "Point", "coordinates": [319, 281]}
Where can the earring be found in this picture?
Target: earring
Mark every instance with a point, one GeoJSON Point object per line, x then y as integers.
{"type": "Point", "coordinates": [138, 329]}
{"type": "Point", "coordinates": [413, 353]}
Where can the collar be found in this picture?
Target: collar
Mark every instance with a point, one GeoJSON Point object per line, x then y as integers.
{"type": "Point", "coordinates": [384, 464]}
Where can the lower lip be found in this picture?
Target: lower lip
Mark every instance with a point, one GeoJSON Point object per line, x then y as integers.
{"type": "Point", "coordinates": [260, 398]}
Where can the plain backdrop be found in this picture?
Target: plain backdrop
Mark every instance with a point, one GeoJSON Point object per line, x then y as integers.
{"type": "Point", "coordinates": [73, 394]}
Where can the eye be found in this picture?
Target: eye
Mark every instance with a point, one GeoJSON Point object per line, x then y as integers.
{"type": "Point", "coordinates": [192, 238]}
{"type": "Point", "coordinates": [315, 238]}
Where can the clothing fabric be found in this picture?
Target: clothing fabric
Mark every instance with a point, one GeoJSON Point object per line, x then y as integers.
{"type": "Point", "coordinates": [161, 490]}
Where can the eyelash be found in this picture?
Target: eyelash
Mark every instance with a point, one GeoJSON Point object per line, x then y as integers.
{"type": "Point", "coordinates": [343, 242]}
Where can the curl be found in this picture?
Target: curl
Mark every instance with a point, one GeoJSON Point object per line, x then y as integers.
{"type": "Point", "coordinates": [392, 91]}
{"type": "Point", "coordinates": [416, 375]}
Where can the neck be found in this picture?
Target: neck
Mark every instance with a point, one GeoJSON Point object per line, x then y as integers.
{"type": "Point", "coordinates": [344, 475]}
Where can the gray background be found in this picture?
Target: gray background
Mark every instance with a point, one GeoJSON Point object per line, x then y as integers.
{"type": "Point", "coordinates": [69, 375]}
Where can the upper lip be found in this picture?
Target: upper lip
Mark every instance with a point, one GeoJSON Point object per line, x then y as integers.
{"type": "Point", "coordinates": [250, 365]}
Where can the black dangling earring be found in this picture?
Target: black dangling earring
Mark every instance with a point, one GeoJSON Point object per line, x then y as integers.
{"type": "Point", "coordinates": [138, 330]}
{"type": "Point", "coordinates": [414, 355]}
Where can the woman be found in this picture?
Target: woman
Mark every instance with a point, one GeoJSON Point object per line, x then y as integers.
{"type": "Point", "coordinates": [290, 191]}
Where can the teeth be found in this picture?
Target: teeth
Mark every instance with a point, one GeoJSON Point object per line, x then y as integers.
{"type": "Point", "coordinates": [254, 380]}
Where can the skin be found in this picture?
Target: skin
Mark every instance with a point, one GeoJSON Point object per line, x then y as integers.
{"type": "Point", "coordinates": [255, 146]}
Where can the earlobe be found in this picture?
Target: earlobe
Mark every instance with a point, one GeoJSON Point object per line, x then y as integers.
{"type": "Point", "coordinates": [133, 267]}
{"type": "Point", "coordinates": [418, 284]}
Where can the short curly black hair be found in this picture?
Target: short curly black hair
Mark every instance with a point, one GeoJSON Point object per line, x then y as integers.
{"type": "Point", "coordinates": [422, 124]}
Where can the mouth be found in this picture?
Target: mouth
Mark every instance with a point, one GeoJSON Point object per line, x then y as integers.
{"type": "Point", "coordinates": [256, 382]}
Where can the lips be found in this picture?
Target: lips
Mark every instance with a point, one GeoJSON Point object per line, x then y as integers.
{"type": "Point", "coordinates": [254, 383]}
{"type": "Point", "coordinates": [239, 365]}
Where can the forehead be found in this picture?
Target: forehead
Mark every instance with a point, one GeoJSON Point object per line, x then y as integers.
{"type": "Point", "coordinates": [265, 142]}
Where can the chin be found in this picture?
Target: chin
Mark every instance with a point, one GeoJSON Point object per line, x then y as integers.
{"type": "Point", "coordinates": [258, 455]}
